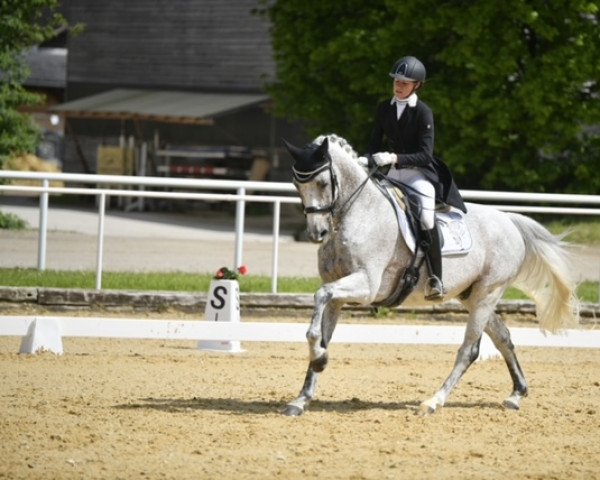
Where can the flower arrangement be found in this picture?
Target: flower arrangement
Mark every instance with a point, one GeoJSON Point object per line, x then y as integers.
{"type": "Point", "coordinates": [224, 273]}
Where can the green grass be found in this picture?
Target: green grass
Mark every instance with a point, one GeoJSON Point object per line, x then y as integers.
{"type": "Point", "coordinates": [189, 282]}
{"type": "Point", "coordinates": [581, 231]}
{"type": "Point", "coordinates": [158, 281]}
{"type": "Point", "coordinates": [10, 221]}
{"type": "Point", "coordinates": [587, 292]}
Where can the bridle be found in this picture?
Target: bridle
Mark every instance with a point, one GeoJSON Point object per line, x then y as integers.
{"type": "Point", "coordinates": [305, 177]}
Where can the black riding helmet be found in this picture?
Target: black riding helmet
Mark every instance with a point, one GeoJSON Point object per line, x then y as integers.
{"type": "Point", "coordinates": [408, 69]}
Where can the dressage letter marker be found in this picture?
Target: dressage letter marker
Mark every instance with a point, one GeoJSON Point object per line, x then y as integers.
{"type": "Point", "coordinates": [222, 305]}
{"type": "Point", "coordinates": [43, 335]}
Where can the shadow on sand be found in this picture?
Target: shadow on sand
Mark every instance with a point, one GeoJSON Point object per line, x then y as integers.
{"type": "Point", "coordinates": [265, 407]}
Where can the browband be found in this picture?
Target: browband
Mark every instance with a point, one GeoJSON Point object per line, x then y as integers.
{"type": "Point", "coordinates": [303, 177]}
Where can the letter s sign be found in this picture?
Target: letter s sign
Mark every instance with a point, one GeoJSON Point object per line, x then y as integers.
{"type": "Point", "coordinates": [218, 301]}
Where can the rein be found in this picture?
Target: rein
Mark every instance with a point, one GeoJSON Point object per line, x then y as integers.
{"type": "Point", "coordinates": [351, 199]}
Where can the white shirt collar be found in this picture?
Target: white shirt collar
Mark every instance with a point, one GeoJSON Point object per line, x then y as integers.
{"type": "Point", "coordinates": [411, 100]}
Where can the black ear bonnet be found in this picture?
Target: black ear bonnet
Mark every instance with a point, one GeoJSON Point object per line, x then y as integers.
{"type": "Point", "coordinates": [309, 160]}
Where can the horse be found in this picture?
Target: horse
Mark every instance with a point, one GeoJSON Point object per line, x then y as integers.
{"type": "Point", "coordinates": [363, 256]}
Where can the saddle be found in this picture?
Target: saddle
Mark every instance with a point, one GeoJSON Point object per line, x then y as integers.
{"type": "Point", "coordinates": [454, 234]}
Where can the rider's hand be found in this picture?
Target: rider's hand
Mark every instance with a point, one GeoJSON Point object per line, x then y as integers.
{"type": "Point", "coordinates": [363, 161]}
{"type": "Point", "coordinates": [384, 158]}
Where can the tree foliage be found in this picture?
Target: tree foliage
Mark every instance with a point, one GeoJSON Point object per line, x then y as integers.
{"type": "Point", "coordinates": [513, 84]}
{"type": "Point", "coordinates": [23, 24]}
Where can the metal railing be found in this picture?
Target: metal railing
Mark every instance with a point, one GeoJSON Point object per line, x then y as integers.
{"type": "Point", "coordinates": [149, 187]}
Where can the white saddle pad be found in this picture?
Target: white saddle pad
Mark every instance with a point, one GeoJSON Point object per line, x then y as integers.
{"type": "Point", "coordinates": [457, 238]}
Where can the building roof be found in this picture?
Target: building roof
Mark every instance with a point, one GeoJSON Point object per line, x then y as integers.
{"type": "Point", "coordinates": [48, 67]}
{"type": "Point", "coordinates": [158, 105]}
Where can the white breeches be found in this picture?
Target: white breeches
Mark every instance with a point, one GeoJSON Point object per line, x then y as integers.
{"type": "Point", "coordinates": [424, 192]}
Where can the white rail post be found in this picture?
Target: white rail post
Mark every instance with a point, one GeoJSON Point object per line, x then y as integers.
{"type": "Point", "coordinates": [101, 210]}
{"type": "Point", "coordinates": [43, 227]}
{"type": "Point", "coordinates": [142, 172]}
{"type": "Point", "coordinates": [240, 212]}
{"type": "Point", "coordinates": [275, 259]}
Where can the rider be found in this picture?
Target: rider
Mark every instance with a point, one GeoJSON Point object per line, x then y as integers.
{"type": "Point", "coordinates": [406, 123]}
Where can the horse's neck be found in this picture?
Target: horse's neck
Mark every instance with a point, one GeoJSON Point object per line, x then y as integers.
{"type": "Point", "coordinates": [356, 188]}
{"type": "Point", "coordinates": [351, 177]}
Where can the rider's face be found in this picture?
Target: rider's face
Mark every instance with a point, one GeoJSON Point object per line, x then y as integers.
{"type": "Point", "coordinates": [403, 89]}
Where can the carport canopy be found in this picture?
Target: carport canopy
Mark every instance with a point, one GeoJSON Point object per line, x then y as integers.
{"type": "Point", "coordinates": [157, 105]}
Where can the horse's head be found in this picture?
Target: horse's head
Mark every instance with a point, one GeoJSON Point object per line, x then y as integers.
{"type": "Point", "coordinates": [315, 182]}
{"type": "Point", "coordinates": [314, 170]}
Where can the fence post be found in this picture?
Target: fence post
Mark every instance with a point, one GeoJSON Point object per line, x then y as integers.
{"type": "Point", "coordinates": [43, 227]}
{"type": "Point", "coordinates": [275, 259]}
{"type": "Point", "coordinates": [101, 210]}
{"type": "Point", "coordinates": [240, 212]}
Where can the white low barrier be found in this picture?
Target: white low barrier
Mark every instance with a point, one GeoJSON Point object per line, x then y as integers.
{"type": "Point", "coordinates": [98, 327]}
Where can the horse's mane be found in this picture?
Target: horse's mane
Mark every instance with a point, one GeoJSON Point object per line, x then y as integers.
{"type": "Point", "coordinates": [341, 142]}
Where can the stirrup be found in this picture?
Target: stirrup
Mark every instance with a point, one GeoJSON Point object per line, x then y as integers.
{"type": "Point", "coordinates": [434, 289]}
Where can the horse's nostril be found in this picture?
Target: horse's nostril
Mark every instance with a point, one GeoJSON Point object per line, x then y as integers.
{"type": "Point", "coordinates": [323, 233]}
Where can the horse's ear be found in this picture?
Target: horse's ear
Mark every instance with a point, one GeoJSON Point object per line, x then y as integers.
{"type": "Point", "coordinates": [295, 152]}
{"type": "Point", "coordinates": [309, 158]}
{"type": "Point", "coordinates": [322, 150]}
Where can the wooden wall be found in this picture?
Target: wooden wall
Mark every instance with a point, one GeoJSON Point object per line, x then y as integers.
{"type": "Point", "coordinates": [205, 45]}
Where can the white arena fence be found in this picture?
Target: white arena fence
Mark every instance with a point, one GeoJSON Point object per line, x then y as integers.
{"type": "Point", "coordinates": [51, 329]}
{"type": "Point", "coordinates": [240, 192]}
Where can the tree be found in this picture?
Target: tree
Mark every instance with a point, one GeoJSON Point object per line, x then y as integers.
{"type": "Point", "coordinates": [513, 85]}
{"type": "Point", "coordinates": [23, 24]}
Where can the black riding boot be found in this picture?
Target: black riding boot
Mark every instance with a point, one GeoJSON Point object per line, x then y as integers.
{"type": "Point", "coordinates": [434, 289]}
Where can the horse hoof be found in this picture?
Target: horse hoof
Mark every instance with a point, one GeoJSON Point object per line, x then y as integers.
{"type": "Point", "coordinates": [292, 411]}
{"type": "Point", "coordinates": [511, 404]}
{"type": "Point", "coordinates": [425, 409]}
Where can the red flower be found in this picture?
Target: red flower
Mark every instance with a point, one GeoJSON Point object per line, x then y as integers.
{"type": "Point", "coordinates": [225, 274]}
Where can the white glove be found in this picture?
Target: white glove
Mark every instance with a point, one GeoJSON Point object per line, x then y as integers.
{"type": "Point", "coordinates": [363, 162]}
{"type": "Point", "coordinates": [384, 158]}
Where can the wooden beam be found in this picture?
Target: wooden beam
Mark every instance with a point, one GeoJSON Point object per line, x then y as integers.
{"type": "Point", "coordinates": [95, 115]}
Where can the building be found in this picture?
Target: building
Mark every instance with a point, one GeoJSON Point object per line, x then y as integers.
{"type": "Point", "coordinates": [185, 78]}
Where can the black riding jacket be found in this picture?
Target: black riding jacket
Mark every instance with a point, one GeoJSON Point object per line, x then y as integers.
{"type": "Point", "coordinates": [411, 138]}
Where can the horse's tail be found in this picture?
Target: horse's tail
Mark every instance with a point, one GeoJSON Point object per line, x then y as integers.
{"type": "Point", "coordinates": [546, 275]}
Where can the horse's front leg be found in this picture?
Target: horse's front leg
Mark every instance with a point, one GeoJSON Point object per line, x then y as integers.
{"type": "Point", "coordinates": [329, 300]}
{"type": "Point", "coordinates": [316, 364]}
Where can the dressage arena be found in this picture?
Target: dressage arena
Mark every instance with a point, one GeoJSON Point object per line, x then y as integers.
{"type": "Point", "coordinates": [127, 409]}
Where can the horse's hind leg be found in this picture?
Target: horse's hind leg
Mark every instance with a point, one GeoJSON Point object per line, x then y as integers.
{"type": "Point", "coordinates": [500, 335]}
{"type": "Point", "coordinates": [318, 339]}
{"type": "Point", "coordinates": [467, 354]}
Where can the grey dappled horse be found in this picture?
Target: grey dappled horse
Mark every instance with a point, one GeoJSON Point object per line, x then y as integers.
{"type": "Point", "coordinates": [363, 255]}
